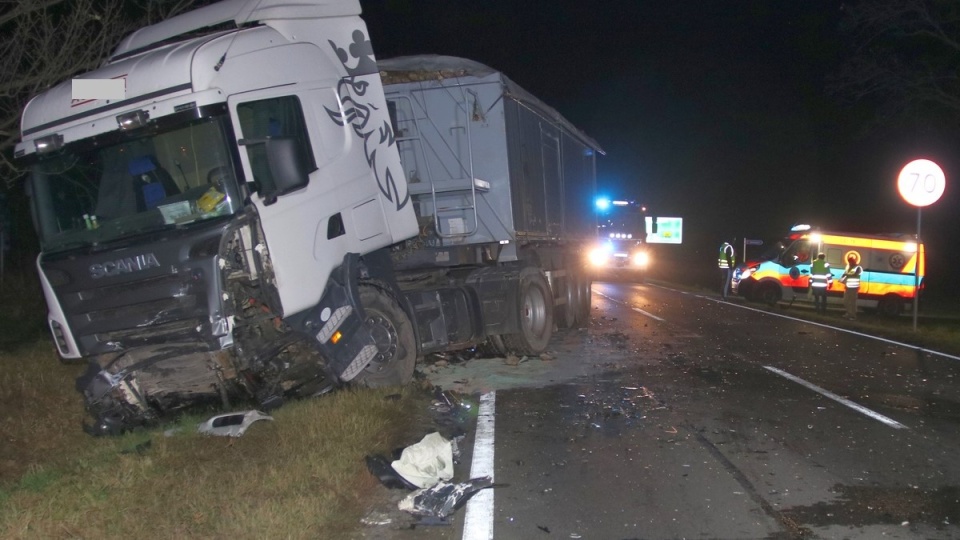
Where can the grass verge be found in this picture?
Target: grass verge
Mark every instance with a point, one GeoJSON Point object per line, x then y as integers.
{"type": "Point", "coordinates": [301, 476]}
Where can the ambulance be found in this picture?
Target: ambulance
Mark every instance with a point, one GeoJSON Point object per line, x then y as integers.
{"type": "Point", "coordinates": [893, 269]}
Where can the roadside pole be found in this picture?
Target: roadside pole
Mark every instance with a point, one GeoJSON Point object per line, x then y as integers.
{"type": "Point", "coordinates": [921, 183]}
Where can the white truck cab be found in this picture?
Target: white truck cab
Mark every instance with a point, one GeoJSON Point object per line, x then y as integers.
{"type": "Point", "coordinates": [240, 225]}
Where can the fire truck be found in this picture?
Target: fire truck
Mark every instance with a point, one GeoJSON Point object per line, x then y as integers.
{"type": "Point", "coordinates": [893, 269]}
{"type": "Point", "coordinates": [621, 239]}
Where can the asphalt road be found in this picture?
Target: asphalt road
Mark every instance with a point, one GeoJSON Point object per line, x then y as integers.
{"type": "Point", "coordinates": [674, 415]}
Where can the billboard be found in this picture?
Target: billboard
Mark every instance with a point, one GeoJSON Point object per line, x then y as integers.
{"type": "Point", "coordinates": [669, 230]}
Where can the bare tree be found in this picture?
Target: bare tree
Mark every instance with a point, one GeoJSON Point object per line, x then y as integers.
{"type": "Point", "coordinates": [905, 57]}
{"type": "Point", "coordinates": [44, 42]}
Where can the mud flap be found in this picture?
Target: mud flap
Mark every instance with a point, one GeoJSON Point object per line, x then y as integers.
{"type": "Point", "coordinates": [338, 323]}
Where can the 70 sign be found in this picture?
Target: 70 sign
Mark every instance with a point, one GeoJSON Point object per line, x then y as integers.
{"type": "Point", "coordinates": [921, 182]}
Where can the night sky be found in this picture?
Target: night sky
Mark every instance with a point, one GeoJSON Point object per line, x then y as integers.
{"type": "Point", "coordinates": [714, 111]}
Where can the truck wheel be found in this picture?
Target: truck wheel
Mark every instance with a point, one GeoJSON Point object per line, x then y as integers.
{"type": "Point", "coordinates": [536, 315]}
{"type": "Point", "coordinates": [890, 305]}
{"type": "Point", "coordinates": [393, 333]}
{"type": "Point", "coordinates": [769, 294]}
{"type": "Point", "coordinates": [566, 314]}
{"type": "Point", "coordinates": [586, 298]}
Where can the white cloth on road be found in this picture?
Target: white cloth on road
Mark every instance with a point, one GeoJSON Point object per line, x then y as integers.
{"type": "Point", "coordinates": [427, 462]}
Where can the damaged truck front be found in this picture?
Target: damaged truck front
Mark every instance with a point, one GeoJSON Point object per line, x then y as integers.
{"type": "Point", "coordinates": [238, 223]}
{"type": "Point", "coordinates": [155, 209]}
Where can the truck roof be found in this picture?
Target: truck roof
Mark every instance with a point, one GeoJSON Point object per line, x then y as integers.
{"type": "Point", "coordinates": [432, 67]}
{"type": "Point", "coordinates": [239, 12]}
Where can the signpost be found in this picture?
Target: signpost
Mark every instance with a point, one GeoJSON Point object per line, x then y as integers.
{"type": "Point", "coordinates": [749, 242]}
{"type": "Point", "coordinates": [921, 183]}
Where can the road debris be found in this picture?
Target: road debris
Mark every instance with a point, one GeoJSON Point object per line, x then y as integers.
{"type": "Point", "coordinates": [440, 500]}
{"type": "Point", "coordinates": [231, 424]}
{"type": "Point", "coordinates": [426, 463]}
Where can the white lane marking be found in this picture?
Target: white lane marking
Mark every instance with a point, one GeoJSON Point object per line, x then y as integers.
{"type": "Point", "coordinates": [478, 521]}
{"type": "Point", "coordinates": [837, 328]}
{"type": "Point", "coordinates": [651, 315]}
{"type": "Point", "coordinates": [638, 310]}
{"type": "Point", "coordinates": [843, 401]}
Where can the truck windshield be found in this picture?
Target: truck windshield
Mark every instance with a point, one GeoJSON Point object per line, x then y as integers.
{"type": "Point", "coordinates": [623, 221]}
{"type": "Point", "coordinates": [166, 175]}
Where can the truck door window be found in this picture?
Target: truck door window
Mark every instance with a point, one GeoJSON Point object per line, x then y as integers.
{"type": "Point", "coordinates": [274, 117]}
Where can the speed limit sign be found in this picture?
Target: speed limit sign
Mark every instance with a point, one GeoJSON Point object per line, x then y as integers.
{"type": "Point", "coordinates": [921, 182]}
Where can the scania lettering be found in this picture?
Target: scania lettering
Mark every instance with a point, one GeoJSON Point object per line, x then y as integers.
{"type": "Point", "coordinates": [892, 265]}
{"type": "Point", "coordinates": [119, 266]}
{"type": "Point", "coordinates": [269, 211]}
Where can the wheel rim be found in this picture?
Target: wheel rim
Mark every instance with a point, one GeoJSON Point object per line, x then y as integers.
{"type": "Point", "coordinates": [534, 314]}
{"type": "Point", "coordinates": [385, 338]}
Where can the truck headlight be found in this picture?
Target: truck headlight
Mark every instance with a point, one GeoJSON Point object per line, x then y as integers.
{"type": "Point", "coordinates": [598, 256]}
{"type": "Point", "coordinates": [641, 259]}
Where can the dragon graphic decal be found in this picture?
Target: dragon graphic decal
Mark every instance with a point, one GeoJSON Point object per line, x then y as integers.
{"type": "Point", "coordinates": [369, 122]}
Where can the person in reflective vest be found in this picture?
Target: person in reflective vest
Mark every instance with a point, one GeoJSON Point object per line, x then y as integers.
{"type": "Point", "coordinates": [726, 261]}
{"type": "Point", "coordinates": [820, 279]}
{"type": "Point", "coordinates": [851, 282]}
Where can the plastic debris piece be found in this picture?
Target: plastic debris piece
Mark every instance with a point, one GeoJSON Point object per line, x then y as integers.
{"type": "Point", "coordinates": [376, 518]}
{"type": "Point", "coordinates": [379, 466]}
{"type": "Point", "coordinates": [427, 462]}
{"type": "Point", "coordinates": [231, 424]}
{"type": "Point", "coordinates": [443, 498]}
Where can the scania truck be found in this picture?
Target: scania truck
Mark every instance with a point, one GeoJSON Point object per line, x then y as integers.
{"type": "Point", "coordinates": [266, 211]}
{"type": "Point", "coordinates": [893, 268]}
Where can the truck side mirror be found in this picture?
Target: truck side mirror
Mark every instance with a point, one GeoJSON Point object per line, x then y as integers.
{"type": "Point", "coordinates": [277, 165]}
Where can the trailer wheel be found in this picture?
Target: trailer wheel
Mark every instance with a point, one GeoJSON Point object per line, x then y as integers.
{"type": "Point", "coordinates": [566, 313]}
{"type": "Point", "coordinates": [393, 333]}
{"type": "Point", "coordinates": [536, 315]}
{"type": "Point", "coordinates": [769, 293]}
{"type": "Point", "coordinates": [585, 283]}
{"type": "Point", "coordinates": [890, 305]}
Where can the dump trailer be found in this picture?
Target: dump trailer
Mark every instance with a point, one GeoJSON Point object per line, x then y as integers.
{"type": "Point", "coordinates": [258, 211]}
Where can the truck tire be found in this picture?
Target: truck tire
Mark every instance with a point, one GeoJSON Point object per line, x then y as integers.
{"type": "Point", "coordinates": [585, 283]}
{"type": "Point", "coordinates": [535, 315]}
{"type": "Point", "coordinates": [769, 294]}
{"type": "Point", "coordinates": [890, 305]}
{"type": "Point", "coordinates": [566, 313]}
{"type": "Point", "coordinates": [393, 333]}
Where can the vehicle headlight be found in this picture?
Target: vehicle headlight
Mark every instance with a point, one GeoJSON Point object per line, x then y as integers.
{"type": "Point", "coordinates": [641, 259]}
{"type": "Point", "coordinates": [599, 255]}
{"type": "Point", "coordinates": [745, 273]}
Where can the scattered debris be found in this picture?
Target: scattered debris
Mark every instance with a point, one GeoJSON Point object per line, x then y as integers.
{"type": "Point", "coordinates": [231, 424]}
{"type": "Point", "coordinates": [376, 518]}
{"type": "Point", "coordinates": [440, 500]}
{"type": "Point", "coordinates": [380, 467]}
{"type": "Point", "coordinates": [427, 462]}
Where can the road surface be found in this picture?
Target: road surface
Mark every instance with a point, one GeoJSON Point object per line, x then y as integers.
{"type": "Point", "coordinates": [676, 415]}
